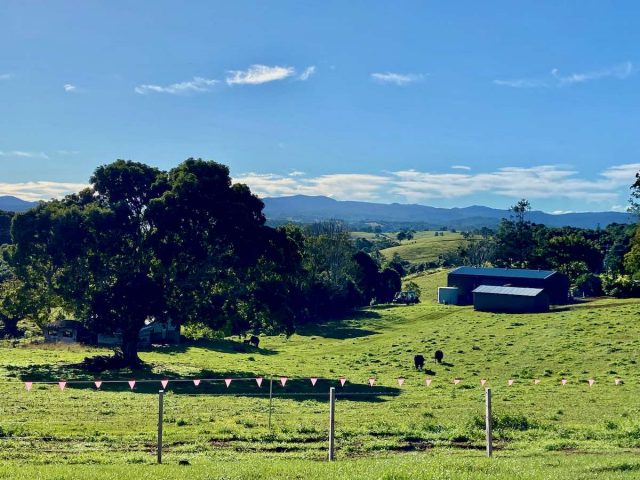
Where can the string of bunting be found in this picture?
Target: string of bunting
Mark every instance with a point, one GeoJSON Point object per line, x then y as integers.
{"type": "Point", "coordinates": [259, 380]}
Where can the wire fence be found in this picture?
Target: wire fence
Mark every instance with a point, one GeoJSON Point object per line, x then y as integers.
{"type": "Point", "coordinates": [79, 422]}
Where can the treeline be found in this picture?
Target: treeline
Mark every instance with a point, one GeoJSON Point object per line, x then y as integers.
{"type": "Point", "coordinates": [596, 261]}
{"type": "Point", "coordinates": [185, 245]}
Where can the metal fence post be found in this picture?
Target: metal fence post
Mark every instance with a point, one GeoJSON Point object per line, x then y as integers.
{"type": "Point", "coordinates": [160, 418]}
{"type": "Point", "coordinates": [332, 419]}
{"type": "Point", "coordinates": [270, 400]}
{"type": "Point", "coordinates": [489, 423]}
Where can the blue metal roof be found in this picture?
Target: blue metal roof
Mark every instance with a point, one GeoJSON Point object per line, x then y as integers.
{"type": "Point", "coordinates": [503, 272]}
{"type": "Point", "coordinates": [515, 291]}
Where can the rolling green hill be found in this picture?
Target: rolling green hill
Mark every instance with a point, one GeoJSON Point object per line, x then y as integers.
{"type": "Point", "coordinates": [425, 246]}
{"type": "Point", "coordinates": [385, 431]}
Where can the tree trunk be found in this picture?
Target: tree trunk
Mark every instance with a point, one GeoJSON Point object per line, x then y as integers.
{"type": "Point", "coordinates": [10, 326]}
{"type": "Point", "coordinates": [130, 350]}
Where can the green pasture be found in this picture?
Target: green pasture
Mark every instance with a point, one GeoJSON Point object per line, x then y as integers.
{"type": "Point", "coordinates": [385, 431]}
{"type": "Point", "coordinates": [425, 246]}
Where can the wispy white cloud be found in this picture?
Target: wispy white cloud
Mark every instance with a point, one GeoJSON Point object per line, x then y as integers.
{"type": "Point", "coordinates": [400, 79]}
{"type": "Point", "coordinates": [195, 85]}
{"type": "Point", "coordinates": [5, 76]}
{"type": "Point", "coordinates": [70, 88]}
{"type": "Point", "coordinates": [621, 72]}
{"type": "Point", "coordinates": [257, 74]}
{"type": "Point", "coordinates": [538, 182]}
{"type": "Point", "coordinates": [40, 190]}
{"type": "Point", "coordinates": [295, 173]}
{"type": "Point", "coordinates": [522, 83]}
{"type": "Point", "coordinates": [556, 79]}
{"type": "Point", "coordinates": [341, 186]}
{"type": "Point", "coordinates": [23, 154]}
{"type": "Point", "coordinates": [460, 167]}
{"type": "Point", "coordinates": [307, 73]}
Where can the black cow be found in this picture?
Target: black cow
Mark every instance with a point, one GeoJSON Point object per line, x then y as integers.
{"type": "Point", "coordinates": [438, 356]}
{"type": "Point", "coordinates": [255, 341]}
{"type": "Point", "coordinates": [418, 361]}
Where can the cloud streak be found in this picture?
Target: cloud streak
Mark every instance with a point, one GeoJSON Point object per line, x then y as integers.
{"type": "Point", "coordinates": [70, 88]}
{"type": "Point", "coordinates": [306, 74]}
{"type": "Point", "coordinates": [195, 85]}
{"type": "Point", "coordinates": [556, 79]}
{"type": "Point", "coordinates": [399, 79]}
{"type": "Point", "coordinates": [539, 182]}
{"type": "Point", "coordinates": [40, 190]}
{"type": "Point", "coordinates": [5, 76]}
{"type": "Point", "coordinates": [24, 154]}
{"type": "Point", "coordinates": [258, 74]}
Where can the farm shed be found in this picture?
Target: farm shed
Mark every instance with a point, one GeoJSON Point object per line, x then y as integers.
{"type": "Point", "coordinates": [67, 331]}
{"type": "Point", "coordinates": [467, 279]}
{"type": "Point", "coordinates": [488, 298]}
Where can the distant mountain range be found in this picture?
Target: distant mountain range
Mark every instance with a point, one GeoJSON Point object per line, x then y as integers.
{"type": "Point", "coordinates": [304, 209]}
{"type": "Point", "coordinates": [14, 204]}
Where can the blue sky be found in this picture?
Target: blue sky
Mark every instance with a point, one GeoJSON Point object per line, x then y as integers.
{"type": "Point", "coordinates": [424, 102]}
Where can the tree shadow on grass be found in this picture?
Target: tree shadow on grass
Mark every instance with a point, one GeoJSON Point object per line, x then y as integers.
{"type": "Point", "coordinates": [340, 329]}
{"type": "Point", "coordinates": [242, 384]}
{"type": "Point", "coordinates": [222, 345]}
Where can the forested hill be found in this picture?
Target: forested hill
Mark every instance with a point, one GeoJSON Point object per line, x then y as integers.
{"type": "Point", "coordinates": [302, 208]}
{"type": "Point", "coordinates": [14, 204]}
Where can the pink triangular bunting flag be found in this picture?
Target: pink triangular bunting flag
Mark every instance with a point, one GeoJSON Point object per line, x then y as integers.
{"type": "Point", "coordinates": [132, 383]}
{"type": "Point", "coordinates": [196, 382]}
{"type": "Point", "coordinates": [227, 382]}
{"type": "Point", "coordinates": [98, 383]}
{"type": "Point", "coordinates": [456, 381]}
{"type": "Point", "coordinates": [563, 381]}
{"type": "Point", "coordinates": [343, 381]}
{"type": "Point", "coordinates": [28, 386]}
{"type": "Point", "coordinates": [259, 381]}
{"type": "Point", "coordinates": [400, 381]}
{"type": "Point", "coordinates": [372, 381]}
{"type": "Point", "coordinates": [283, 381]}
{"type": "Point", "coordinates": [482, 382]}
{"type": "Point", "coordinates": [510, 382]}
{"type": "Point", "coordinates": [313, 381]}
{"type": "Point", "coordinates": [62, 385]}
{"type": "Point", "coordinates": [618, 381]}
{"type": "Point", "coordinates": [428, 381]}
{"type": "Point", "coordinates": [536, 381]}
{"type": "Point", "coordinates": [164, 383]}
{"type": "Point", "coordinates": [591, 382]}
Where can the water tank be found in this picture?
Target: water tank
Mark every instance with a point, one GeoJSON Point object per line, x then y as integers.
{"type": "Point", "coordinates": [448, 295]}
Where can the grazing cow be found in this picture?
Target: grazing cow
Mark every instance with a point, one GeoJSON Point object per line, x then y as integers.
{"type": "Point", "coordinates": [247, 342]}
{"type": "Point", "coordinates": [438, 356]}
{"type": "Point", "coordinates": [418, 361]}
{"type": "Point", "coordinates": [255, 341]}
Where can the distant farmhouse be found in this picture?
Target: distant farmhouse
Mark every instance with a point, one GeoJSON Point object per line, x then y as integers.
{"type": "Point", "coordinates": [505, 289]}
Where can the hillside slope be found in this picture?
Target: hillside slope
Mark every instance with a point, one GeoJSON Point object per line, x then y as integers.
{"type": "Point", "coordinates": [598, 339]}
{"type": "Point", "coordinates": [425, 246]}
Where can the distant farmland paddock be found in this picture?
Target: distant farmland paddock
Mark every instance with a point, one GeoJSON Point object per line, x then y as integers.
{"type": "Point", "coordinates": [425, 246]}
{"type": "Point", "coordinates": [548, 430]}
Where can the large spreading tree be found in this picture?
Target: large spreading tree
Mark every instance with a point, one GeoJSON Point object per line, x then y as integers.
{"type": "Point", "coordinates": [142, 244]}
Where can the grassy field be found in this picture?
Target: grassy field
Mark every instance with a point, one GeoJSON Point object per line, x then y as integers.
{"type": "Point", "coordinates": [385, 431]}
{"type": "Point", "coordinates": [425, 246]}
